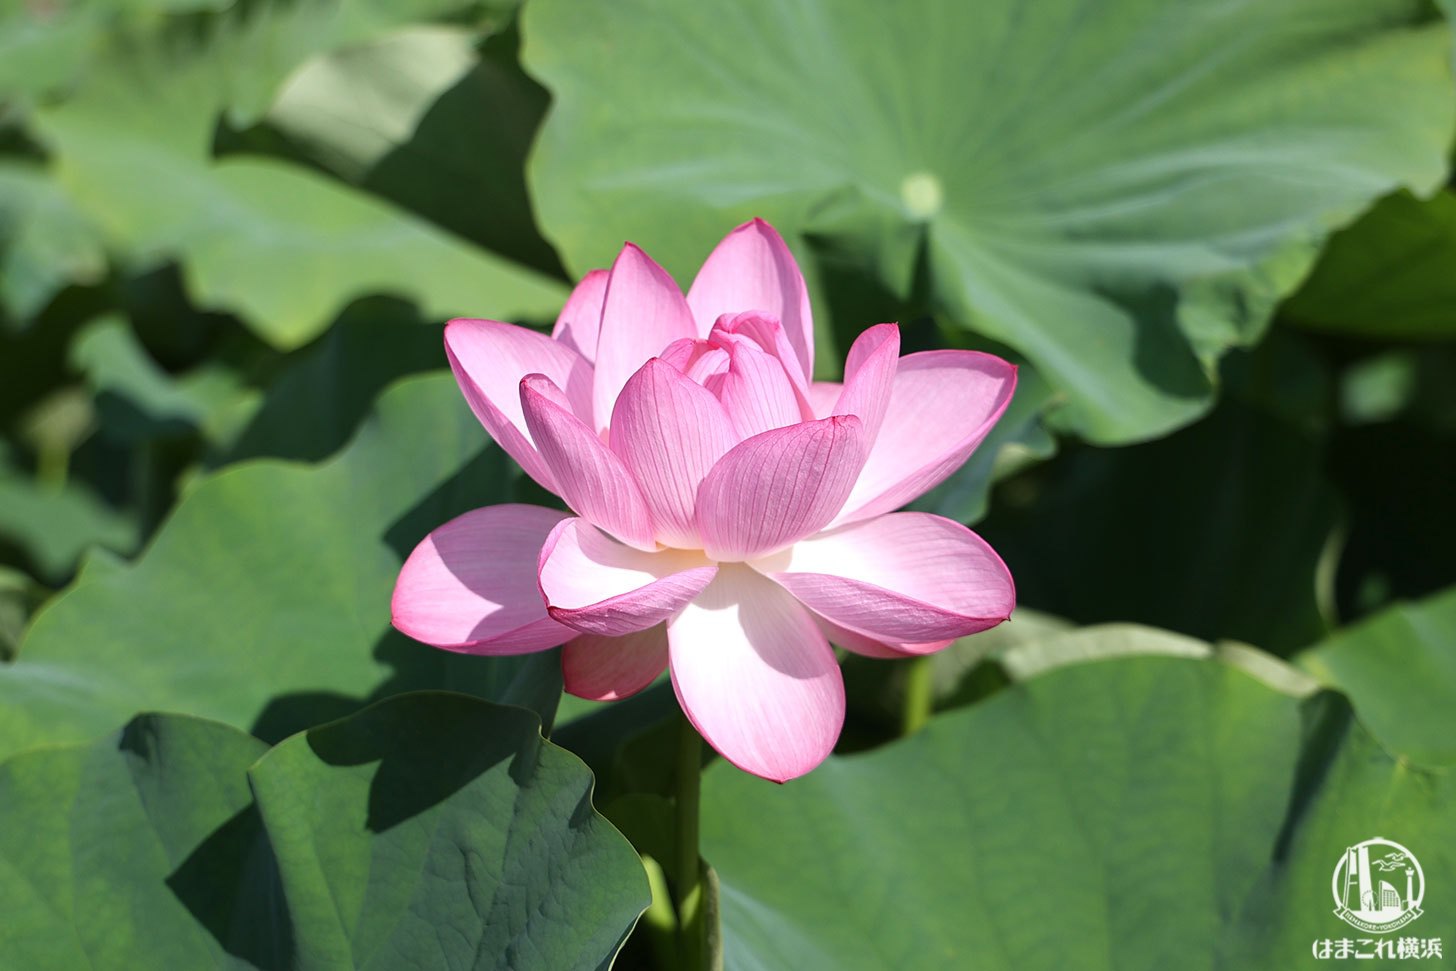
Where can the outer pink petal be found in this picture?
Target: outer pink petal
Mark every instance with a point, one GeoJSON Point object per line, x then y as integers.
{"type": "Point", "coordinates": [776, 488]}
{"type": "Point", "coordinates": [594, 584]}
{"type": "Point", "coordinates": [756, 392]}
{"type": "Point", "coordinates": [490, 358]}
{"type": "Point", "coordinates": [869, 647]}
{"type": "Point", "coordinates": [669, 432]}
{"type": "Point", "coordinates": [612, 668]}
{"type": "Point", "coordinates": [471, 584]}
{"type": "Point", "coordinates": [580, 320]}
{"type": "Point", "coordinates": [942, 403]}
{"type": "Point", "coordinates": [869, 372]}
{"type": "Point", "coordinates": [756, 677]}
{"type": "Point", "coordinates": [591, 479]}
{"type": "Point", "coordinates": [902, 578]}
{"type": "Point", "coordinates": [752, 269]}
{"type": "Point", "coordinates": [643, 312]}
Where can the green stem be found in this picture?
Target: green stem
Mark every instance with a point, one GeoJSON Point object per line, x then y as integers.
{"type": "Point", "coordinates": [919, 695]}
{"type": "Point", "coordinates": [687, 882]}
{"type": "Point", "coordinates": [52, 465]}
{"type": "Point", "coordinates": [659, 923]}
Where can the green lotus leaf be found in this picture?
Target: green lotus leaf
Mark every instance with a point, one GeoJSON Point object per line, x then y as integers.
{"type": "Point", "coordinates": [434, 830]}
{"type": "Point", "coordinates": [282, 246]}
{"type": "Point", "coordinates": [1135, 813]}
{"type": "Point", "coordinates": [1399, 669]}
{"type": "Point", "coordinates": [1391, 275]}
{"type": "Point", "coordinates": [263, 602]}
{"type": "Point", "coordinates": [431, 830]}
{"type": "Point", "coordinates": [1120, 194]}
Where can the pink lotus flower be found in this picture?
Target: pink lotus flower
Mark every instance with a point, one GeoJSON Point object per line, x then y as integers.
{"type": "Point", "coordinates": [732, 518]}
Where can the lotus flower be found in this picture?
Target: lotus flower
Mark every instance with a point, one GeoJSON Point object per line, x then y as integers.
{"type": "Point", "coordinates": [731, 518]}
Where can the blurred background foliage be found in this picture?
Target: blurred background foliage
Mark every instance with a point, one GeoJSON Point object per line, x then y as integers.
{"type": "Point", "coordinates": [1219, 239]}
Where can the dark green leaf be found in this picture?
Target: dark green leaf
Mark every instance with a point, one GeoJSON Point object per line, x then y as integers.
{"type": "Point", "coordinates": [140, 850]}
{"type": "Point", "coordinates": [53, 524]}
{"type": "Point", "coordinates": [1396, 476]}
{"type": "Point", "coordinates": [137, 401]}
{"type": "Point", "coordinates": [264, 601]}
{"type": "Point", "coordinates": [432, 830]}
{"type": "Point", "coordinates": [1216, 532]}
{"type": "Point", "coordinates": [45, 242]}
{"type": "Point", "coordinates": [437, 831]}
{"type": "Point", "coordinates": [1392, 275]}
{"type": "Point", "coordinates": [335, 381]}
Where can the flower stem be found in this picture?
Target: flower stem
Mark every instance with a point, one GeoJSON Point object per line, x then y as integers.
{"type": "Point", "coordinates": [52, 465]}
{"type": "Point", "coordinates": [919, 695]}
{"type": "Point", "coordinates": [687, 883]}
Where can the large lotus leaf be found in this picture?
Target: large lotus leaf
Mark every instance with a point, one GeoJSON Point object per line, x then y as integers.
{"type": "Point", "coordinates": [140, 850]}
{"type": "Point", "coordinates": [1349, 789]}
{"type": "Point", "coordinates": [432, 830]}
{"type": "Point", "coordinates": [427, 118]}
{"type": "Point", "coordinates": [45, 243]}
{"type": "Point", "coordinates": [282, 246]}
{"type": "Point", "coordinates": [1216, 531]}
{"type": "Point", "coordinates": [263, 601]}
{"type": "Point", "coordinates": [1399, 669]}
{"type": "Point", "coordinates": [436, 831]}
{"type": "Point", "coordinates": [1390, 275]}
{"type": "Point", "coordinates": [1118, 193]}
{"type": "Point", "coordinates": [1122, 814]}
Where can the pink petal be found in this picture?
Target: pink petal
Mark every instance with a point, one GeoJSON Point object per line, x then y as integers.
{"type": "Point", "coordinates": [869, 647]}
{"type": "Point", "coordinates": [594, 584]}
{"type": "Point", "coordinates": [778, 487]}
{"type": "Point", "coordinates": [823, 396]}
{"type": "Point", "coordinates": [869, 372]}
{"type": "Point", "coordinates": [669, 432]}
{"type": "Point", "coordinates": [591, 479]}
{"type": "Point", "coordinates": [612, 668]}
{"type": "Point", "coordinates": [682, 353]}
{"type": "Point", "coordinates": [902, 578]}
{"type": "Point", "coordinates": [768, 333]}
{"type": "Point", "coordinates": [580, 320]}
{"type": "Point", "coordinates": [644, 311]}
{"type": "Point", "coordinates": [942, 403]}
{"type": "Point", "coordinates": [756, 392]}
{"type": "Point", "coordinates": [490, 358]}
{"type": "Point", "coordinates": [471, 584]}
{"type": "Point", "coordinates": [709, 369]}
{"type": "Point", "coordinates": [756, 677]}
{"type": "Point", "coordinates": [752, 269]}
